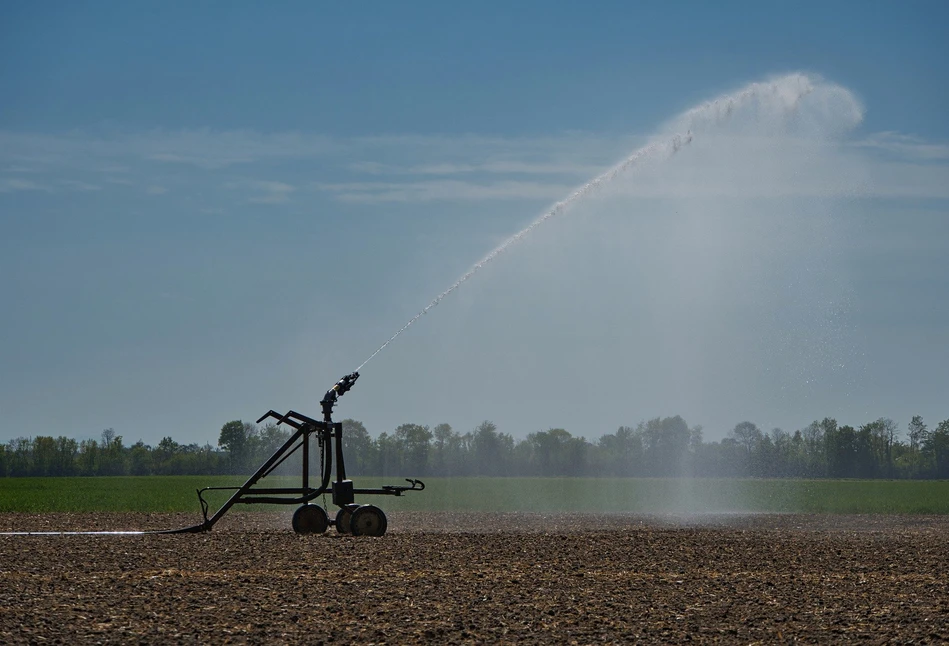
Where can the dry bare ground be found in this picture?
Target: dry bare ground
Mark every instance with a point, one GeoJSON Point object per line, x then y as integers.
{"type": "Point", "coordinates": [479, 578]}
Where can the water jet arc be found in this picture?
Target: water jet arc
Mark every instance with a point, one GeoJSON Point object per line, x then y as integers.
{"type": "Point", "coordinates": [787, 90]}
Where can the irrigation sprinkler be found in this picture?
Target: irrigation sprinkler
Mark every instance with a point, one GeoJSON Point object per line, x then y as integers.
{"type": "Point", "coordinates": [310, 518]}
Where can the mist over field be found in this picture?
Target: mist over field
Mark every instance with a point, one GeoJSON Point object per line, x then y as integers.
{"type": "Point", "coordinates": [710, 284]}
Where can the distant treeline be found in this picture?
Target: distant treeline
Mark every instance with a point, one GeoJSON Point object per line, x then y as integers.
{"type": "Point", "coordinates": [660, 447]}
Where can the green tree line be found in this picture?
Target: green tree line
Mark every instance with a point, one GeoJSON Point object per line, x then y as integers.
{"type": "Point", "coordinates": [660, 447]}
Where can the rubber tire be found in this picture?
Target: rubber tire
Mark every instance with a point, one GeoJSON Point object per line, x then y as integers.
{"type": "Point", "coordinates": [368, 520]}
{"type": "Point", "coordinates": [310, 519]}
{"type": "Point", "coordinates": [343, 519]}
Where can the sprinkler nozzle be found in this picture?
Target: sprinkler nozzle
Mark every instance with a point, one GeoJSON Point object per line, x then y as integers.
{"type": "Point", "coordinates": [342, 387]}
{"type": "Point", "coordinates": [344, 384]}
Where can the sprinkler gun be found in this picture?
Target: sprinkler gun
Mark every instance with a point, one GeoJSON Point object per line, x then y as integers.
{"type": "Point", "coordinates": [341, 388]}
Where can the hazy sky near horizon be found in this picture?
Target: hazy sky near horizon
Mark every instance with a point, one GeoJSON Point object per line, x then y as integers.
{"type": "Point", "coordinates": [208, 210]}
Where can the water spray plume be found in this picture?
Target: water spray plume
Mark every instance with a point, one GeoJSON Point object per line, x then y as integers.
{"type": "Point", "coordinates": [782, 94]}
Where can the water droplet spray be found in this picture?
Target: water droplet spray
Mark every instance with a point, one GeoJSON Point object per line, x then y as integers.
{"type": "Point", "coordinates": [786, 91]}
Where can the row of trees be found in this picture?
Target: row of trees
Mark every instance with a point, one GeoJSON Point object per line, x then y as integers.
{"type": "Point", "coordinates": [658, 447]}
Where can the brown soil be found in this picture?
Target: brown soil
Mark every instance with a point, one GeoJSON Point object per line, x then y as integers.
{"type": "Point", "coordinates": [479, 578]}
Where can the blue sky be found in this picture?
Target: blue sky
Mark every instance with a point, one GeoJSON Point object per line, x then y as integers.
{"type": "Point", "coordinates": [211, 209]}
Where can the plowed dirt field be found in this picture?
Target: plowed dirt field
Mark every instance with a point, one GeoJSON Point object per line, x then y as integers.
{"type": "Point", "coordinates": [479, 578]}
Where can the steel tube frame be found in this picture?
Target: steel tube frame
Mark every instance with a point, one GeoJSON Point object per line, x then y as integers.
{"type": "Point", "coordinates": [330, 436]}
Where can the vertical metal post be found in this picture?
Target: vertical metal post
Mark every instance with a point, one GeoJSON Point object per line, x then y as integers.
{"type": "Point", "coordinates": [340, 466]}
{"type": "Point", "coordinates": [306, 459]}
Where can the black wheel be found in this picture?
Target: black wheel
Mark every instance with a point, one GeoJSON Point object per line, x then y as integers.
{"type": "Point", "coordinates": [368, 520]}
{"type": "Point", "coordinates": [310, 519]}
{"type": "Point", "coordinates": [343, 518]}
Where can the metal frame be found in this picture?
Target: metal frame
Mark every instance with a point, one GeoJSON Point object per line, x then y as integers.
{"type": "Point", "coordinates": [330, 436]}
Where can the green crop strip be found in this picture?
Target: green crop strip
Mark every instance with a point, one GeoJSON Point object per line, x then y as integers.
{"type": "Point", "coordinates": [547, 495]}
